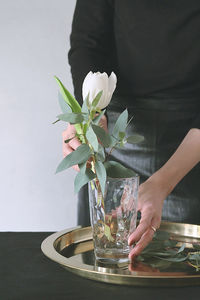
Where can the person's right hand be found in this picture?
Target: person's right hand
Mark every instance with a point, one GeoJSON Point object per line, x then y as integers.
{"type": "Point", "coordinates": [69, 147]}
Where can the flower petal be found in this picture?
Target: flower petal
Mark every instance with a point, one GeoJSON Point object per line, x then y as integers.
{"type": "Point", "coordinates": [112, 82]}
{"type": "Point", "coordinates": [96, 82]}
{"type": "Point", "coordinates": [86, 85]}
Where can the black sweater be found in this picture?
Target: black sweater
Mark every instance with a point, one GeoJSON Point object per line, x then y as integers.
{"type": "Point", "coordinates": [153, 46]}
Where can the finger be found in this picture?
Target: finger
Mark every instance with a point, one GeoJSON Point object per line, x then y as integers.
{"type": "Point", "coordinates": [68, 133]}
{"type": "Point", "coordinates": [67, 149]}
{"type": "Point", "coordinates": [103, 123]}
{"type": "Point", "coordinates": [144, 241]}
{"type": "Point", "coordinates": [155, 223]}
{"type": "Point", "coordinates": [76, 168]}
{"type": "Point", "coordinates": [140, 230]}
{"type": "Point", "coordinates": [74, 143]}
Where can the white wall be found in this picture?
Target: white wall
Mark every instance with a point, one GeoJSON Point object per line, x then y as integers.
{"type": "Point", "coordinates": [34, 37]}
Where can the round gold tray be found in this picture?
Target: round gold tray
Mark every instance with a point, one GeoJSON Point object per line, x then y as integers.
{"type": "Point", "coordinates": [73, 249]}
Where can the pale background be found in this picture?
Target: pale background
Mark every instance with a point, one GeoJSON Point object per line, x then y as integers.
{"type": "Point", "coordinates": [34, 37]}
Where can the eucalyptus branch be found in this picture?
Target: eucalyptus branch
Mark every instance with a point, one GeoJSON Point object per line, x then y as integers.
{"type": "Point", "coordinates": [112, 148]}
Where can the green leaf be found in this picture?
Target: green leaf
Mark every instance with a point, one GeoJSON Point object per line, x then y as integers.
{"type": "Point", "coordinates": [80, 155]}
{"type": "Point", "coordinates": [120, 124]}
{"type": "Point", "coordinates": [135, 139]}
{"type": "Point", "coordinates": [161, 235]}
{"type": "Point", "coordinates": [174, 259]}
{"type": "Point", "coordinates": [69, 99]}
{"type": "Point", "coordinates": [79, 131]}
{"type": "Point", "coordinates": [82, 166]}
{"type": "Point", "coordinates": [116, 170]}
{"type": "Point", "coordinates": [107, 233]}
{"type": "Point", "coordinates": [101, 174]}
{"type": "Point", "coordinates": [101, 153]}
{"type": "Point", "coordinates": [84, 108]}
{"type": "Point", "coordinates": [196, 246]}
{"type": "Point", "coordinates": [92, 138]}
{"type": "Point", "coordinates": [63, 105]}
{"type": "Point", "coordinates": [98, 118]}
{"type": "Point", "coordinates": [194, 256]}
{"type": "Point", "coordinates": [181, 249]}
{"type": "Point", "coordinates": [122, 135]}
{"type": "Point", "coordinates": [102, 135]}
{"type": "Point", "coordinates": [72, 118]}
{"type": "Point", "coordinates": [96, 99]}
{"type": "Point", "coordinates": [82, 178]}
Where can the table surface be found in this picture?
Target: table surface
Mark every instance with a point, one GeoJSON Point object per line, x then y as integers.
{"type": "Point", "coordinates": [25, 273]}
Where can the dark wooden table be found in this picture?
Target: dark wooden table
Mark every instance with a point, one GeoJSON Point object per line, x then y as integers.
{"type": "Point", "coordinates": [25, 273]}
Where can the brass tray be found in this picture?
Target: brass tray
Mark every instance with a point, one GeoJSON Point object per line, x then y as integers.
{"type": "Point", "coordinates": [73, 249]}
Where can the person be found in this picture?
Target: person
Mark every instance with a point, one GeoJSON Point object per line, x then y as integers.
{"type": "Point", "coordinates": [153, 47]}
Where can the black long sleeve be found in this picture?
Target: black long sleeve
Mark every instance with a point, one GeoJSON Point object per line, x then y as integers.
{"type": "Point", "coordinates": [152, 46]}
{"type": "Point", "coordinates": [196, 122]}
{"type": "Point", "coordinates": [91, 40]}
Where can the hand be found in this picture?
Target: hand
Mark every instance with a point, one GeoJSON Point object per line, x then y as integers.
{"type": "Point", "coordinates": [69, 147]}
{"type": "Point", "coordinates": [104, 123]}
{"type": "Point", "coordinates": [150, 202]}
{"type": "Point", "coordinates": [153, 191]}
{"type": "Point", "coordinates": [70, 132]}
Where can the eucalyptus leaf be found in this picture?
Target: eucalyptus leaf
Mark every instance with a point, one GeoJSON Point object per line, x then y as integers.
{"type": "Point", "coordinates": [80, 155]}
{"type": "Point", "coordinates": [196, 246]}
{"type": "Point", "coordinates": [194, 256]}
{"type": "Point", "coordinates": [161, 254]}
{"type": "Point", "coordinates": [92, 138]}
{"type": "Point", "coordinates": [135, 139]}
{"type": "Point", "coordinates": [101, 153]}
{"type": "Point", "coordinates": [122, 135]}
{"type": "Point", "coordinates": [102, 135]}
{"type": "Point", "coordinates": [84, 108]}
{"type": "Point", "coordinates": [65, 108]}
{"type": "Point", "coordinates": [72, 118]}
{"type": "Point", "coordinates": [120, 124]}
{"type": "Point", "coordinates": [82, 178]}
{"type": "Point", "coordinates": [82, 166]}
{"type": "Point", "coordinates": [96, 99]}
{"type": "Point", "coordinates": [174, 259]}
{"type": "Point", "coordinates": [170, 243]}
{"type": "Point", "coordinates": [161, 235]}
{"type": "Point", "coordinates": [69, 99]}
{"type": "Point", "coordinates": [107, 233]}
{"type": "Point", "coordinates": [116, 170]}
{"type": "Point", "coordinates": [101, 174]}
{"type": "Point", "coordinates": [181, 248]}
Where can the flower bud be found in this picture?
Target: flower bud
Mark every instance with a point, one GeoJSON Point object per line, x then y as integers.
{"type": "Point", "coordinates": [96, 82]}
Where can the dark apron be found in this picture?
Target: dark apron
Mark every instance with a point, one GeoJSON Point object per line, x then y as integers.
{"type": "Point", "coordinates": [164, 123]}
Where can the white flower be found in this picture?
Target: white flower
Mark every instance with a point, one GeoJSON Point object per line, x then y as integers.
{"type": "Point", "coordinates": [96, 82]}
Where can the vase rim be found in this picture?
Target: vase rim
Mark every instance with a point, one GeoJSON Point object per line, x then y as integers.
{"type": "Point", "coordinates": [123, 178]}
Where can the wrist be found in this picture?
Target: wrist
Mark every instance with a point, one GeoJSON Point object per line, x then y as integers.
{"type": "Point", "coordinates": [165, 180]}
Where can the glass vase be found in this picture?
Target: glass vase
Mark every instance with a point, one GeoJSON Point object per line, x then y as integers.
{"type": "Point", "coordinates": [113, 217]}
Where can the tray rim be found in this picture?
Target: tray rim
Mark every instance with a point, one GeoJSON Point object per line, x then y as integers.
{"type": "Point", "coordinates": [87, 271]}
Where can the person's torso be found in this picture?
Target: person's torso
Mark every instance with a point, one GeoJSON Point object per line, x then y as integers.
{"type": "Point", "coordinates": [158, 47]}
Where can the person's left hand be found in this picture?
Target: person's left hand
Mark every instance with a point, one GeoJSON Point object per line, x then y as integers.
{"type": "Point", "coordinates": [150, 202]}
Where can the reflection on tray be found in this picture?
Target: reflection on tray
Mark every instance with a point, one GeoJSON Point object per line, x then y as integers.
{"type": "Point", "coordinates": [83, 253]}
{"type": "Point", "coordinates": [73, 249]}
